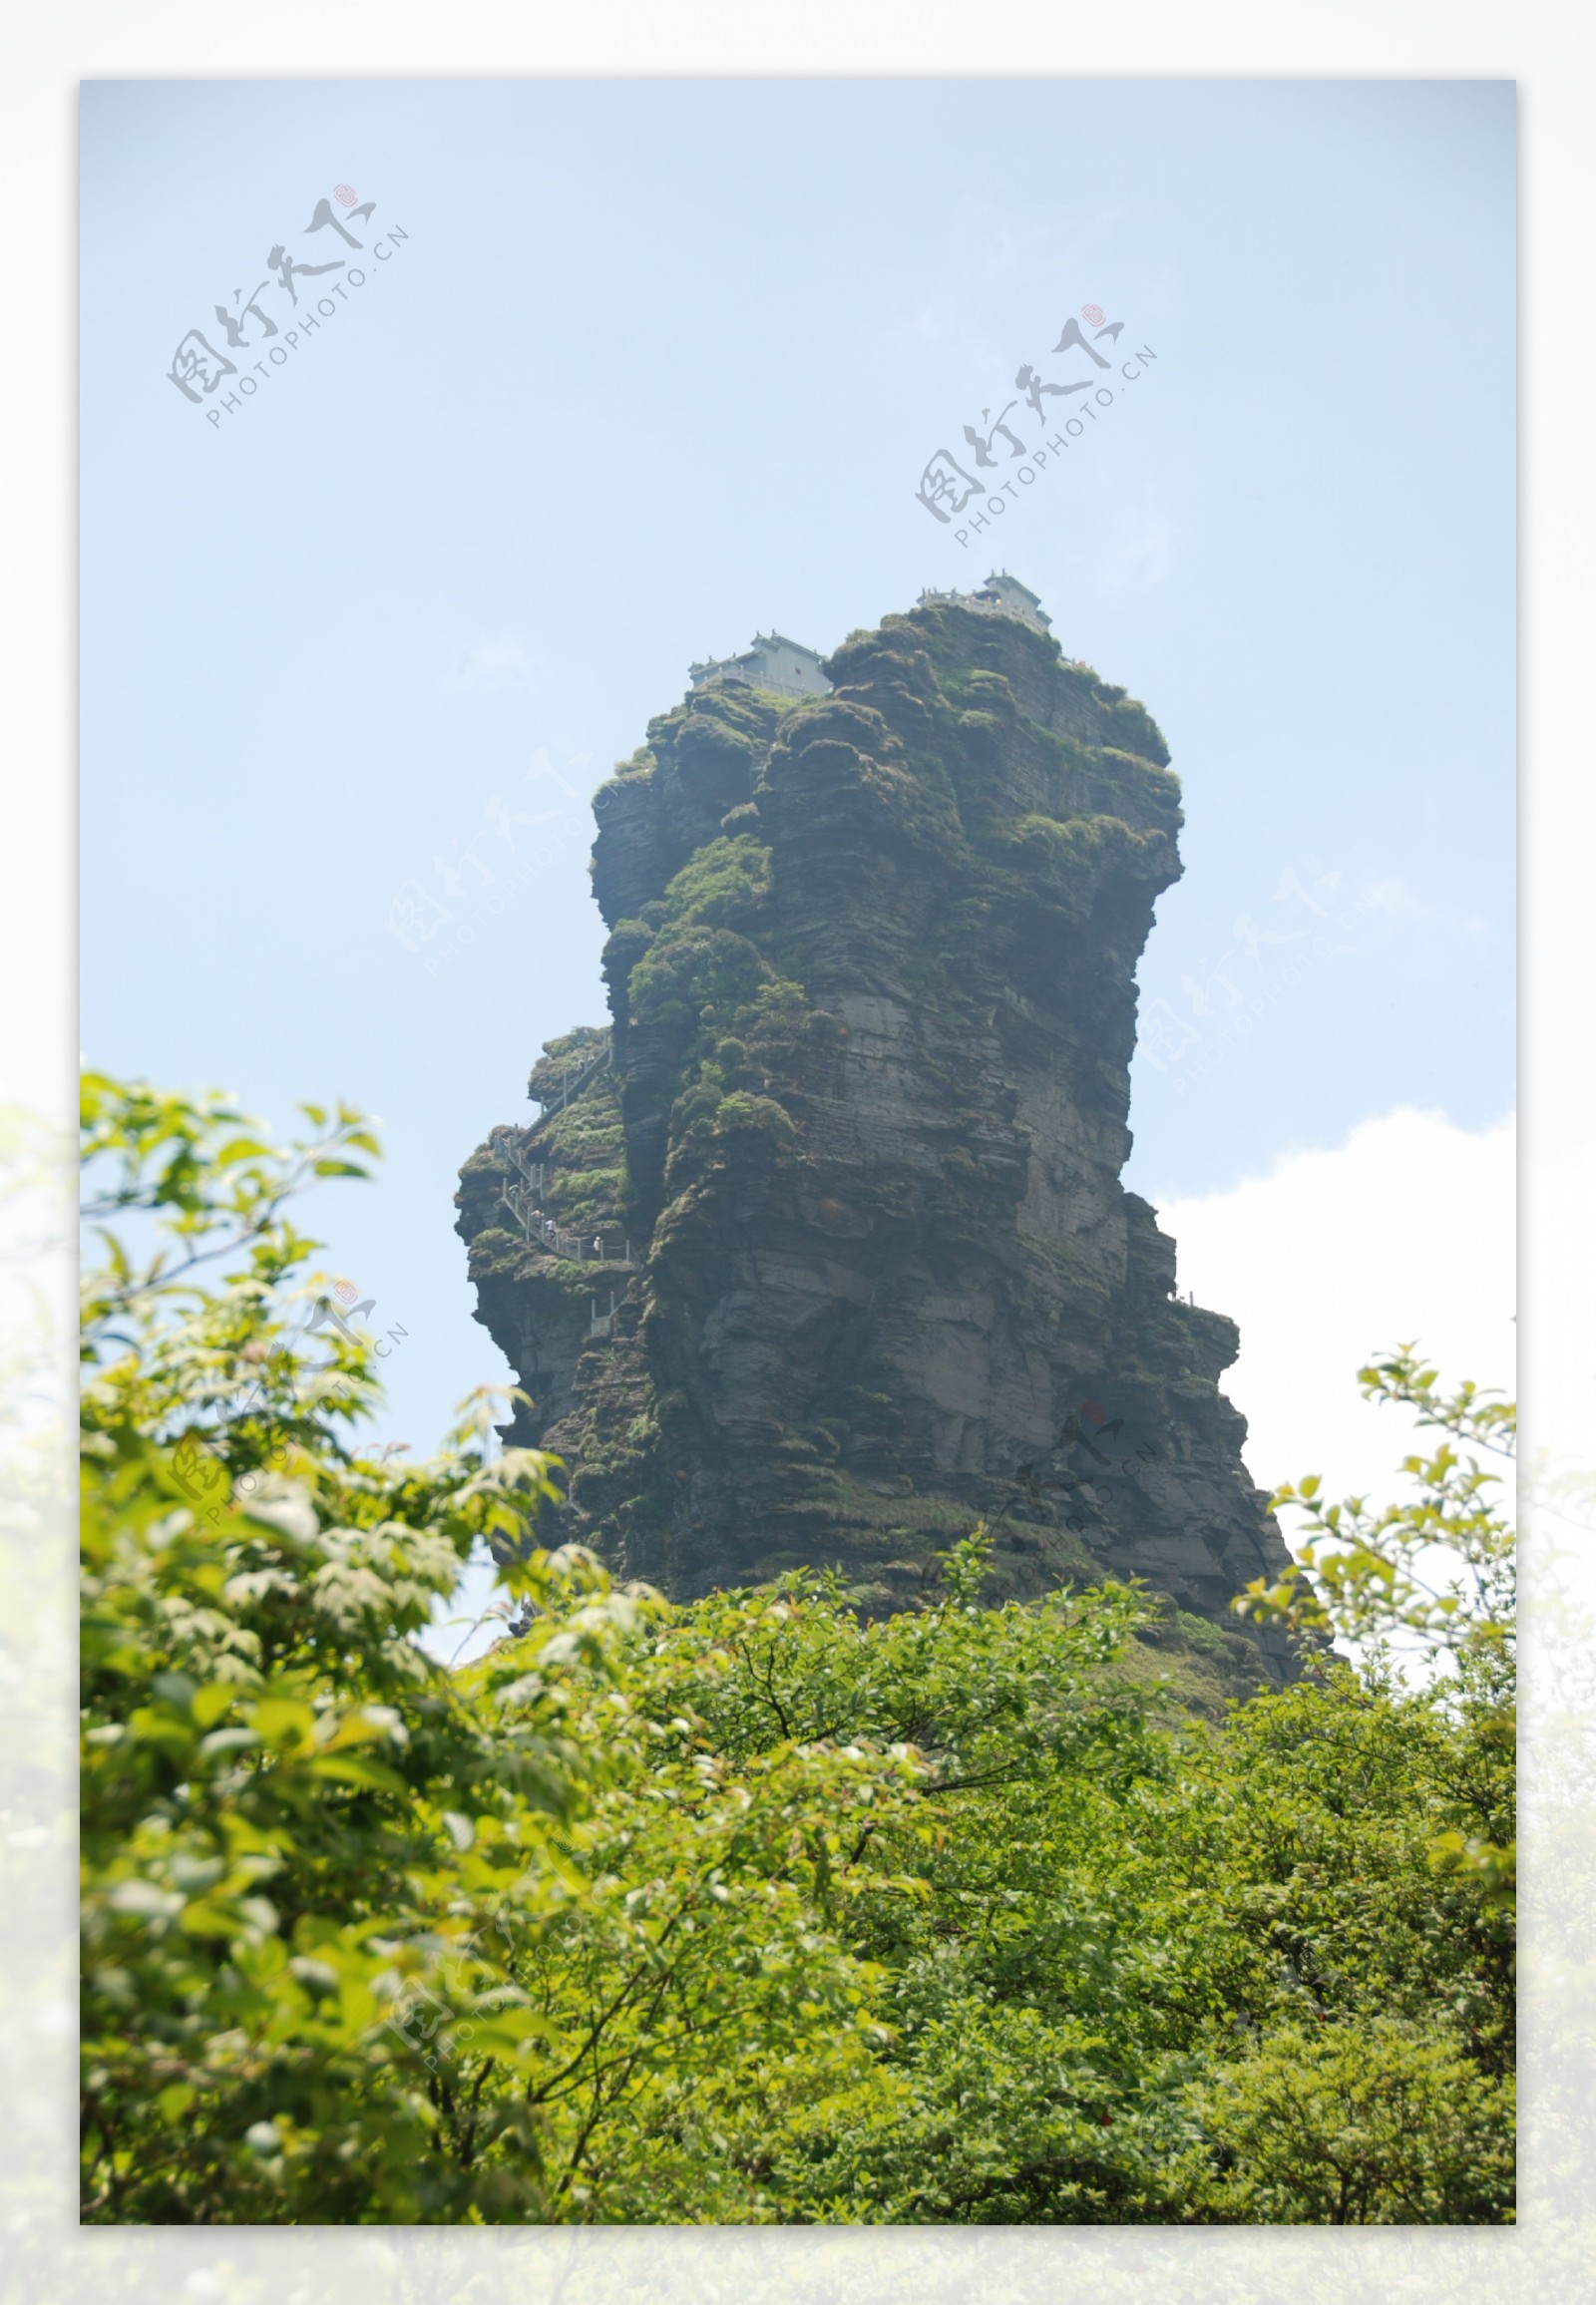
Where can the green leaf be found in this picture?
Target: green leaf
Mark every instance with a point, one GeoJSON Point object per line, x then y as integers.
{"type": "Point", "coordinates": [205, 1918]}
{"type": "Point", "coordinates": [212, 1701]}
{"type": "Point", "coordinates": [359, 1768]}
{"type": "Point", "coordinates": [241, 1148]}
{"type": "Point", "coordinates": [280, 1719]}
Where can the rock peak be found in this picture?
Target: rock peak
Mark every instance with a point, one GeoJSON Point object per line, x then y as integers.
{"type": "Point", "coordinates": [828, 1255]}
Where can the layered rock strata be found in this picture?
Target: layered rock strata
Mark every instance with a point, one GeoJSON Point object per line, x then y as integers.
{"type": "Point", "coordinates": [819, 1253]}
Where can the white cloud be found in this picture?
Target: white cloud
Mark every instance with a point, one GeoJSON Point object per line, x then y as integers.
{"type": "Point", "coordinates": [496, 660]}
{"type": "Point", "coordinates": [1404, 1232]}
{"type": "Point", "coordinates": [1396, 897]}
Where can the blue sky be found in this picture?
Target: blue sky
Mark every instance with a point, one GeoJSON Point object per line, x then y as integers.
{"type": "Point", "coordinates": [660, 364]}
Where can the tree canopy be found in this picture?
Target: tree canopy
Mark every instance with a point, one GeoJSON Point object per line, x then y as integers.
{"type": "Point", "coordinates": [746, 1911]}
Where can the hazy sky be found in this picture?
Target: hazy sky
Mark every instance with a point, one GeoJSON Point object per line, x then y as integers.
{"type": "Point", "coordinates": [661, 364]}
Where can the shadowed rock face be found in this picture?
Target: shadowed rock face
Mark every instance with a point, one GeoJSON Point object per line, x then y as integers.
{"type": "Point", "coordinates": [851, 1149]}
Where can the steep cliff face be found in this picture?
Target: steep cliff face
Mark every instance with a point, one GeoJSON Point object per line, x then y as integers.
{"type": "Point", "coordinates": [847, 1163]}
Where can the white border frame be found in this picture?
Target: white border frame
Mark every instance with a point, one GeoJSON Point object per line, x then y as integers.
{"type": "Point", "coordinates": [1547, 50]}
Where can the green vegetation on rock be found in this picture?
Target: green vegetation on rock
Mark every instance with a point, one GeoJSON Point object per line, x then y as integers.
{"type": "Point", "coordinates": [871, 974]}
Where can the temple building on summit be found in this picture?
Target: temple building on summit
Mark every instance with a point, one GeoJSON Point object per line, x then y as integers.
{"type": "Point", "coordinates": [773, 662]}
{"type": "Point", "coordinates": [1001, 595]}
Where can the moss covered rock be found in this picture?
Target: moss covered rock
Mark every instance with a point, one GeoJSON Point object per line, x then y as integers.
{"type": "Point", "coordinates": [860, 1119]}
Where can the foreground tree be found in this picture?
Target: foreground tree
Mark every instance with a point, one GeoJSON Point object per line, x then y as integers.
{"type": "Point", "coordinates": [749, 1910]}
{"type": "Point", "coordinates": [1432, 1580]}
{"type": "Point", "coordinates": [317, 1865]}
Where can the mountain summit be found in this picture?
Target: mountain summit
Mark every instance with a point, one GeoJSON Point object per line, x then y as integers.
{"type": "Point", "coordinates": [819, 1253]}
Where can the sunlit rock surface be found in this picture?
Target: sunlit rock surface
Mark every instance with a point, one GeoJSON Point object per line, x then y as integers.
{"type": "Point", "coordinates": [819, 1253]}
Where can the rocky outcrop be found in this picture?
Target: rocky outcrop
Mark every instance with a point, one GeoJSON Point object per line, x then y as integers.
{"type": "Point", "coordinates": [847, 1161]}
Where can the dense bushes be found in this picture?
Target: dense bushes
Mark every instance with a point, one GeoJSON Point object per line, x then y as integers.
{"type": "Point", "coordinates": [747, 1910]}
